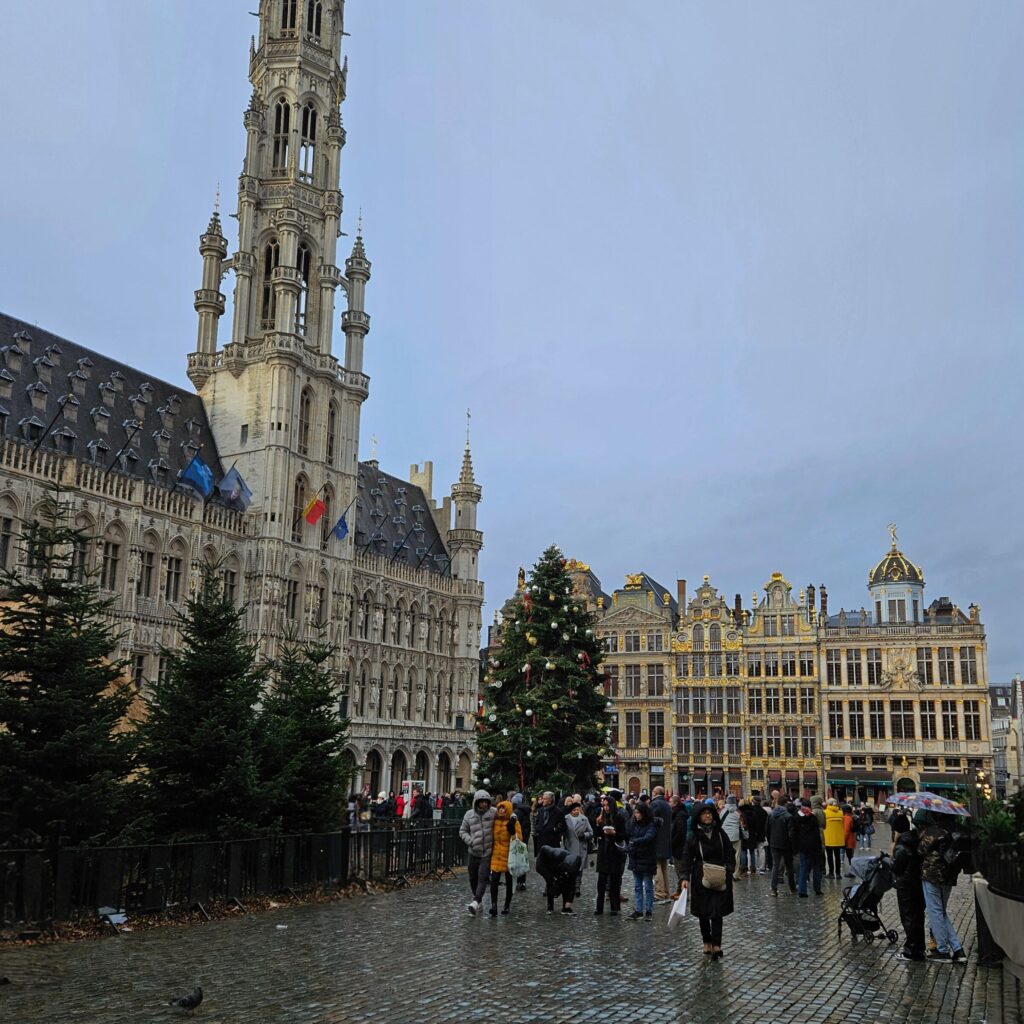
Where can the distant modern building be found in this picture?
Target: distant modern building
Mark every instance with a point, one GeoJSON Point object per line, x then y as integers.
{"type": "Point", "coordinates": [1007, 735]}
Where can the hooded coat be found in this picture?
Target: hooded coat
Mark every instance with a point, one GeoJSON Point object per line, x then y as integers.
{"type": "Point", "coordinates": [662, 811]}
{"type": "Point", "coordinates": [477, 828]}
{"type": "Point", "coordinates": [578, 833]}
{"type": "Point", "coordinates": [555, 865]}
{"type": "Point", "coordinates": [506, 825]}
{"type": "Point", "coordinates": [806, 834]}
{"type": "Point", "coordinates": [643, 839]}
{"type": "Point", "coordinates": [548, 826]}
{"type": "Point", "coordinates": [834, 832]}
{"type": "Point", "coordinates": [780, 829]}
{"type": "Point", "coordinates": [714, 847]}
{"type": "Point", "coordinates": [611, 852]}
{"type": "Point", "coordinates": [730, 820]}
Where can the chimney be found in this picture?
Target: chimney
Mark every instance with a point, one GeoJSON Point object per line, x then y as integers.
{"type": "Point", "coordinates": [681, 595]}
{"type": "Point", "coordinates": [737, 613]}
{"type": "Point", "coordinates": [810, 597]}
{"type": "Point", "coordinates": [824, 602]}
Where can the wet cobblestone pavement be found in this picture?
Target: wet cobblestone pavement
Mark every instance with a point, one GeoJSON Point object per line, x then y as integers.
{"type": "Point", "coordinates": [417, 956]}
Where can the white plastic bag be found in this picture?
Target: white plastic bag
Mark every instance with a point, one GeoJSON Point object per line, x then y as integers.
{"type": "Point", "coordinates": [518, 858]}
{"type": "Point", "coordinates": [678, 911]}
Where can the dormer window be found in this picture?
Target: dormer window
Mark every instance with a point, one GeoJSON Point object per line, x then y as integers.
{"type": "Point", "coordinates": [31, 428]}
{"type": "Point", "coordinates": [12, 355]}
{"type": "Point", "coordinates": [4, 416]}
{"type": "Point", "coordinates": [163, 441]}
{"type": "Point", "coordinates": [37, 394]}
{"type": "Point", "coordinates": [127, 459]}
{"type": "Point", "coordinates": [146, 390]}
{"type": "Point", "coordinates": [376, 492]}
{"type": "Point", "coordinates": [54, 352]}
{"type": "Point", "coordinates": [159, 470]}
{"type": "Point", "coordinates": [192, 426]}
{"type": "Point", "coordinates": [377, 513]}
{"type": "Point", "coordinates": [100, 419]}
{"type": "Point", "coordinates": [398, 520]}
{"type": "Point", "coordinates": [98, 449]}
{"type": "Point", "coordinates": [85, 366]}
{"type": "Point", "coordinates": [6, 384]}
{"type": "Point", "coordinates": [64, 440]}
{"type": "Point", "coordinates": [399, 502]}
{"type": "Point", "coordinates": [69, 408]}
{"type": "Point", "coordinates": [138, 404]}
{"type": "Point", "coordinates": [77, 381]}
{"type": "Point", "coordinates": [117, 379]}
{"type": "Point", "coordinates": [44, 368]}
{"type": "Point", "coordinates": [108, 393]}
{"type": "Point", "coordinates": [189, 449]}
{"type": "Point", "coordinates": [418, 509]}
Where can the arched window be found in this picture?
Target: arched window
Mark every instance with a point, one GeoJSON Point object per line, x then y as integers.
{"type": "Point", "coordinates": [298, 505]}
{"type": "Point", "coordinates": [314, 17]}
{"type": "Point", "coordinates": [282, 132]}
{"type": "Point", "coordinates": [326, 520]}
{"type": "Point", "coordinates": [307, 141]}
{"type": "Point", "coordinates": [289, 9]}
{"type": "Point", "coordinates": [268, 304]}
{"type": "Point", "coordinates": [305, 420]}
{"type": "Point", "coordinates": [302, 262]}
{"type": "Point", "coordinates": [332, 432]}
{"type": "Point", "coordinates": [698, 638]}
{"type": "Point", "coordinates": [715, 637]}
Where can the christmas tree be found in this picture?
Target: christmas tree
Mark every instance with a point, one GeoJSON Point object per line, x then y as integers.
{"type": "Point", "coordinates": [542, 724]}
{"type": "Point", "coordinates": [65, 755]}
{"type": "Point", "coordinates": [201, 744]}
{"type": "Point", "coordinates": [305, 764]}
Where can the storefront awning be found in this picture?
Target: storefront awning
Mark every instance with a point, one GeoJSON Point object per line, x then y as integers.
{"type": "Point", "coordinates": [699, 775]}
{"type": "Point", "coordinates": [810, 778]}
{"type": "Point", "coordinates": [717, 779]}
{"type": "Point", "coordinates": [874, 779]}
{"type": "Point", "coordinates": [792, 776]}
{"type": "Point", "coordinates": [774, 775]}
{"type": "Point", "coordinates": [842, 782]}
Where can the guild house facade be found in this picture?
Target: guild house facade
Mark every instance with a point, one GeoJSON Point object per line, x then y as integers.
{"type": "Point", "coordinates": [311, 540]}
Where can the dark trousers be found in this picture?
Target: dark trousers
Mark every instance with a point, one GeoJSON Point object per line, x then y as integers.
{"type": "Point", "coordinates": [610, 883]}
{"type": "Point", "coordinates": [810, 871]}
{"type": "Point", "coordinates": [782, 860]}
{"type": "Point", "coordinates": [911, 903]}
{"type": "Point", "coordinates": [496, 877]}
{"type": "Point", "coordinates": [561, 885]}
{"type": "Point", "coordinates": [711, 930]}
{"type": "Point", "coordinates": [479, 872]}
{"type": "Point", "coordinates": [835, 860]}
{"type": "Point", "coordinates": [768, 858]}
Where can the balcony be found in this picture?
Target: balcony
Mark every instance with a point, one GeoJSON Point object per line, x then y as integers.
{"type": "Point", "coordinates": [952, 746]}
{"type": "Point", "coordinates": [645, 754]}
{"type": "Point", "coordinates": [858, 745]}
{"type": "Point", "coordinates": [905, 746]}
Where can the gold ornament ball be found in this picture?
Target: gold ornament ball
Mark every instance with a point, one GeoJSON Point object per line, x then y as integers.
{"type": "Point", "coordinates": [554, 707]}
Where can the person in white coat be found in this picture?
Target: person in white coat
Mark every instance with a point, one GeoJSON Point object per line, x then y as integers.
{"type": "Point", "coordinates": [578, 834]}
{"type": "Point", "coordinates": [731, 824]}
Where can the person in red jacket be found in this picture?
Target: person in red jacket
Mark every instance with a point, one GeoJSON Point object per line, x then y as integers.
{"type": "Point", "coordinates": [400, 806]}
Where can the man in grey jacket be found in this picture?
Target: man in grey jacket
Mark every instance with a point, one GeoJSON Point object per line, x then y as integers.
{"type": "Point", "coordinates": [477, 832]}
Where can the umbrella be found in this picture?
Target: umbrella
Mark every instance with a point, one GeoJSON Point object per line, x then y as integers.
{"type": "Point", "coordinates": [928, 802]}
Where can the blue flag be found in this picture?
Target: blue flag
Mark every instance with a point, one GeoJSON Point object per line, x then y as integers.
{"type": "Point", "coordinates": [198, 475]}
{"type": "Point", "coordinates": [340, 528]}
{"type": "Point", "coordinates": [234, 490]}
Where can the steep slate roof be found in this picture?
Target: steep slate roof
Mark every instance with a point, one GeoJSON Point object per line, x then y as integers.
{"type": "Point", "coordinates": [649, 584]}
{"type": "Point", "coordinates": [387, 509]}
{"type": "Point", "coordinates": [108, 406]}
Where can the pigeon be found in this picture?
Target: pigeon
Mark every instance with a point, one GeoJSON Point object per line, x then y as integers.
{"type": "Point", "coordinates": [190, 1002]}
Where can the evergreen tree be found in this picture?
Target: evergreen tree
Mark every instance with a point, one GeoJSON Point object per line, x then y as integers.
{"type": "Point", "coordinates": [63, 759]}
{"type": "Point", "coordinates": [543, 723]}
{"type": "Point", "coordinates": [201, 745]}
{"type": "Point", "coordinates": [306, 768]}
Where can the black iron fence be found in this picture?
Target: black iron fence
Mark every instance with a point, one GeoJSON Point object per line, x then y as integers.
{"type": "Point", "coordinates": [1002, 864]}
{"type": "Point", "coordinates": [41, 885]}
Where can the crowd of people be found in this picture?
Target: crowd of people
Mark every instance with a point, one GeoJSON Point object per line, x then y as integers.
{"type": "Point", "coordinates": [703, 845]}
{"type": "Point", "coordinates": [365, 811]}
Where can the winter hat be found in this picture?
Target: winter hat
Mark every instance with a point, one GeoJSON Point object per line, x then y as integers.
{"type": "Point", "coordinates": [382, 796]}
{"type": "Point", "coordinates": [731, 799]}
{"type": "Point", "coordinates": [709, 802]}
{"type": "Point", "coordinates": [833, 802]}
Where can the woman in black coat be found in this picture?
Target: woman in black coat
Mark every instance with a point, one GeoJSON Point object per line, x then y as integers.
{"type": "Point", "coordinates": [559, 869]}
{"type": "Point", "coordinates": [708, 845]}
{"type": "Point", "coordinates": [610, 830]}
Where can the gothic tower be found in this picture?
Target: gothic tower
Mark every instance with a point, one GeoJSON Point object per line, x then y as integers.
{"type": "Point", "coordinates": [281, 407]}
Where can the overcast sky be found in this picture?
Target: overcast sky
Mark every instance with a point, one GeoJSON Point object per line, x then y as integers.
{"type": "Point", "coordinates": [729, 287]}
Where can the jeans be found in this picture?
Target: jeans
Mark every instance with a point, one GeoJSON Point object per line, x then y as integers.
{"type": "Point", "coordinates": [936, 898]}
{"type": "Point", "coordinates": [782, 860]}
{"type": "Point", "coordinates": [643, 892]}
{"type": "Point", "coordinates": [711, 930]}
{"type": "Point", "coordinates": [479, 874]}
{"type": "Point", "coordinates": [835, 860]}
{"type": "Point", "coordinates": [748, 860]}
{"type": "Point", "coordinates": [810, 866]}
{"type": "Point", "coordinates": [609, 883]}
{"type": "Point", "coordinates": [864, 840]}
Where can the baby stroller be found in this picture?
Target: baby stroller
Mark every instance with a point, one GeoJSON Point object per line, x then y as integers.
{"type": "Point", "coordinates": [859, 910]}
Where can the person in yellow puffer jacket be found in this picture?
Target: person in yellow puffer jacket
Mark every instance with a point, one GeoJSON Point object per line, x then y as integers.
{"type": "Point", "coordinates": [506, 827]}
{"type": "Point", "coordinates": [835, 838]}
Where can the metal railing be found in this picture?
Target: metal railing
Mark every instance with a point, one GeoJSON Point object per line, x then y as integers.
{"type": "Point", "coordinates": [41, 885]}
{"type": "Point", "coordinates": [1002, 864]}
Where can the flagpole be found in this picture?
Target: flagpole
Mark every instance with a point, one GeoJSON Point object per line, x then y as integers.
{"type": "Point", "coordinates": [60, 408]}
{"type": "Point", "coordinates": [402, 545]}
{"type": "Point", "coordinates": [302, 514]}
{"type": "Point", "coordinates": [427, 552]}
{"type": "Point", "coordinates": [135, 430]}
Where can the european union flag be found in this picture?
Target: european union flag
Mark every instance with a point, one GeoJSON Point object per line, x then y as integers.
{"type": "Point", "coordinates": [198, 475]}
{"type": "Point", "coordinates": [234, 490]}
{"type": "Point", "coordinates": [340, 528]}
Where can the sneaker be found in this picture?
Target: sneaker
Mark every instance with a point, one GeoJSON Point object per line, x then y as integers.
{"type": "Point", "coordinates": [549, 912]}
{"type": "Point", "coordinates": [567, 911]}
{"type": "Point", "coordinates": [775, 892]}
{"type": "Point", "coordinates": [959, 956]}
{"type": "Point", "coordinates": [635, 916]}
{"type": "Point", "coordinates": [648, 916]}
{"type": "Point", "coordinates": [906, 958]}
{"type": "Point", "coordinates": [938, 957]}
{"type": "Point", "coordinates": [763, 871]}
{"type": "Point", "coordinates": [473, 907]}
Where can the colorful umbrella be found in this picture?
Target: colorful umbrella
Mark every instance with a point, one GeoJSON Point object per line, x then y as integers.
{"type": "Point", "coordinates": [928, 802]}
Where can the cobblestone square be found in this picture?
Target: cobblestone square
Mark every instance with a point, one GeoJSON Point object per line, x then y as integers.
{"type": "Point", "coordinates": [417, 956]}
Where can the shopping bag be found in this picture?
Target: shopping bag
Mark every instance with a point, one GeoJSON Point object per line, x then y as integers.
{"type": "Point", "coordinates": [518, 858]}
{"type": "Point", "coordinates": [678, 911]}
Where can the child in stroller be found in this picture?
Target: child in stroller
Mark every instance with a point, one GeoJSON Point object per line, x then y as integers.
{"type": "Point", "coordinates": [859, 910]}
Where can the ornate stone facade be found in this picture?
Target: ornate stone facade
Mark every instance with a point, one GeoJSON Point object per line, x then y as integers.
{"type": "Point", "coordinates": [400, 596]}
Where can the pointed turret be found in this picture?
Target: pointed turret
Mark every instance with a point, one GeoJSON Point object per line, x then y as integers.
{"type": "Point", "coordinates": [209, 301]}
{"type": "Point", "coordinates": [464, 539]}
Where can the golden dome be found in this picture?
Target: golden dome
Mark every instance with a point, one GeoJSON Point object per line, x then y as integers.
{"type": "Point", "coordinates": [895, 568]}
